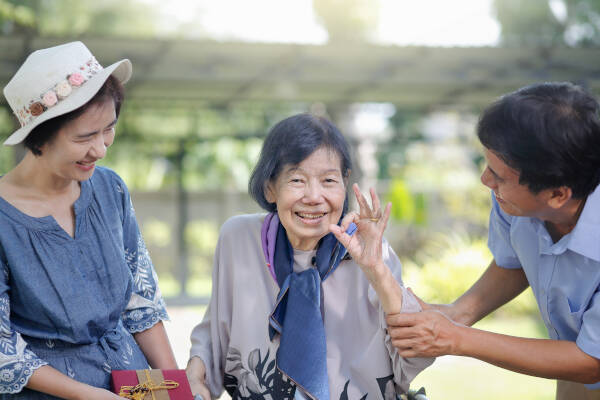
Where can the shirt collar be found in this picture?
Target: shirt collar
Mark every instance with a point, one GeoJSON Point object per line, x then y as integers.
{"type": "Point", "coordinates": [585, 237]}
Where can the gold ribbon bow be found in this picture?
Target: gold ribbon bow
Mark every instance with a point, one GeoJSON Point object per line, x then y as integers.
{"type": "Point", "coordinates": [148, 386]}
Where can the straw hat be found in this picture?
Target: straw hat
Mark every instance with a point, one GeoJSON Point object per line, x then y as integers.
{"type": "Point", "coordinates": [55, 81]}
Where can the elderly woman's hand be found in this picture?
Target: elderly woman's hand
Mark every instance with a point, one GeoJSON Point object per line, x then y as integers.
{"type": "Point", "coordinates": [196, 373]}
{"type": "Point", "coordinates": [365, 247]}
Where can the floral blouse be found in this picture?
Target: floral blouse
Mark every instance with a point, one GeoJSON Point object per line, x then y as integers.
{"type": "Point", "coordinates": [233, 338]}
{"type": "Point", "coordinates": [73, 302]}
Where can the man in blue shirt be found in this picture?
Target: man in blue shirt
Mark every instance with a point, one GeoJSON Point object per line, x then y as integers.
{"type": "Point", "coordinates": [542, 147]}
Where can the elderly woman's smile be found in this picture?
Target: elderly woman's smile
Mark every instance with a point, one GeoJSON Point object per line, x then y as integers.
{"type": "Point", "coordinates": [312, 218]}
{"type": "Point", "coordinates": [309, 197]}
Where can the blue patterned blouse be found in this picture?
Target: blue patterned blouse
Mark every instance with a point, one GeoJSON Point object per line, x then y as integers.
{"type": "Point", "coordinates": [73, 303]}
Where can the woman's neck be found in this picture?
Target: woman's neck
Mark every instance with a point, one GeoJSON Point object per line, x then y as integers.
{"type": "Point", "coordinates": [32, 174]}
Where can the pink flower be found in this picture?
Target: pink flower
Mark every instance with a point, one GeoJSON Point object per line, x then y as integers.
{"type": "Point", "coordinates": [76, 79]}
{"type": "Point", "coordinates": [62, 89]}
{"type": "Point", "coordinates": [49, 98]}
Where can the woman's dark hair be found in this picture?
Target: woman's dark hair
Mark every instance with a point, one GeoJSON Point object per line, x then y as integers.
{"type": "Point", "coordinates": [112, 89]}
{"type": "Point", "coordinates": [549, 133]}
{"type": "Point", "coordinates": [291, 141]}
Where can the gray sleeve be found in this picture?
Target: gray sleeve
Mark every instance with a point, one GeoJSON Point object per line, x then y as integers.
{"type": "Point", "coordinates": [210, 338]}
{"type": "Point", "coordinates": [405, 369]}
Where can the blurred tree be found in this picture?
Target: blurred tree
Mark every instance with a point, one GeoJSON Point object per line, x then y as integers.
{"type": "Point", "coordinates": [549, 22]}
{"type": "Point", "coordinates": [348, 20]}
{"type": "Point", "coordinates": [131, 18]}
{"type": "Point", "coordinates": [406, 129]}
{"type": "Point", "coordinates": [103, 18]}
{"type": "Point", "coordinates": [448, 264]}
{"type": "Point", "coordinates": [17, 16]}
{"type": "Point", "coordinates": [221, 143]}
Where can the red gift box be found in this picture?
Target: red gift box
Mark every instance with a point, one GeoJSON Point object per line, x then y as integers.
{"type": "Point", "coordinates": [151, 384]}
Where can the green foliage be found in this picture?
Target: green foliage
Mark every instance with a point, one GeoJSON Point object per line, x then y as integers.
{"type": "Point", "coordinates": [16, 15]}
{"type": "Point", "coordinates": [6, 127]}
{"type": "Point", "coordinates": [406, 129]}
{"type": "Point", "coordinates": [7, 160]}
{"type": "Point", "coordinates": [448, 266]}
{"type": "Point", "coordinates": [78, 17]}
{"type": "Point", "coordinates": [470, 204]}
{"type": "Point", "coordinates": [534, 22]}
{"type": "Point", "coordinates": [463, 378]}
{"type": "Point", "coordinates": [528, 22]}
{"type": "Point", "coordinates": [220, 144]}
{"type": "Point", "coordinates": [158, 236]}
{"type": "Point", "coordinates": [201, 237]}
{"type": "Point", "coordinates": [407, 207]}
{"type": "Point", "coordinates": [403, 205]}
{"type": "Point", "coordinates": [106, 18]}
{"type": "Point", "coordinates": [157, 233]}
{"type": "Point", "coordinates": [222, 164]}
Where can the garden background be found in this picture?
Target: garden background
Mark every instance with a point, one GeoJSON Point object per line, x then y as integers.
{"type": "Point", "coordinates": [405, 80]}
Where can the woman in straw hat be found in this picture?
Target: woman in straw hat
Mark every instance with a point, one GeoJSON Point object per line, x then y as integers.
{"type": "Point", "coordinates": [78, 293]}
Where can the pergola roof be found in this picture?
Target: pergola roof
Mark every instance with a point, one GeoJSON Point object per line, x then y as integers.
{"type": "Point", "coordinates": [184, 72]}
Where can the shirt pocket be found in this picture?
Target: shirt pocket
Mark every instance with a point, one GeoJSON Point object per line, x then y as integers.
{"type": "Point", "coordinates": [567, 317]}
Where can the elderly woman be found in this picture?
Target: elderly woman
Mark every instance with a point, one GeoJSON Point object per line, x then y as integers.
{"type": "Point", "coordinates": [292, 315]}
{"type": "Point", "coordinates": [78, 292]}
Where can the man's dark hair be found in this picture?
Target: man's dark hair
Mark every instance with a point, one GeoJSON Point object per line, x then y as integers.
{"type": "Point", "coordinates": [549, 133]}
{"type": "Point", "coordinates": [291, 141]}
{"type": "Point", "coordinates": [44, 132]}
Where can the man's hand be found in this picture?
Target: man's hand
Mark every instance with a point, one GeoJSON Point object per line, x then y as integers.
{"type": "Point", "coordinates": [428, 333]}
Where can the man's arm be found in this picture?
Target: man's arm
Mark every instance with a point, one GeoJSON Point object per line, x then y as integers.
{"type": "Point", "coordinates": [496, 287]}
{"type": "Point", "coordinates": [444, 329]}
{"type": "Point", "coordinates": [431, 334]}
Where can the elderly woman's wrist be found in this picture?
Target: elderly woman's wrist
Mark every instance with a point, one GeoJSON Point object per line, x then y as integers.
{"type": "Point", "coordinates": [391, 297]}
{"type": "Point", "coordinates": [378, 273]}
{"type": "Point", "coordinates": [387, 288]}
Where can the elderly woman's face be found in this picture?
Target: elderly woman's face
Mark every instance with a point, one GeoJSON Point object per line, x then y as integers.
{"type": "Point", "coordinates": [309, 197]}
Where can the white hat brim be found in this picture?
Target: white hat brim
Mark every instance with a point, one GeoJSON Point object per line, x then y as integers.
{"type": "Point", "coordinates": [121, 70]}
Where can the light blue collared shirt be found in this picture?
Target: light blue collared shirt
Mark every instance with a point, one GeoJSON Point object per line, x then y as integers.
{"type": "Point", "coordinates": [564, 276]}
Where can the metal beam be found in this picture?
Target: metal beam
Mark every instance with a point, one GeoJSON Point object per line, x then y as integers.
{"type": "Point", "coordinates": [194, 72]}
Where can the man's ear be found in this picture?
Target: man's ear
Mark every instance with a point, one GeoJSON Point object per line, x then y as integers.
{"type": "Point", "coordinates": [270, 192]}
{"type": "Point", "coordinates": [559, 196]}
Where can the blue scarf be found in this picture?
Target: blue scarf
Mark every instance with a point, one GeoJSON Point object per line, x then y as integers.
{"type": "Point", "coordinates": [302, 353]}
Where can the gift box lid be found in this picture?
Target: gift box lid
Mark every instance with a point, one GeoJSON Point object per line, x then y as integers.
{"type": "Point", "coordinates": [121, 378]}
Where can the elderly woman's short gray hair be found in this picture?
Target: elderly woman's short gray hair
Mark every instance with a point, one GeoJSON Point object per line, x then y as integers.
{"type": "Point", "coordinates": [291, 141]}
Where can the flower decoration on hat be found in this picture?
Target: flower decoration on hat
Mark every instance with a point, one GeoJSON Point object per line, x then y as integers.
{"type": "Point", "coordinates": [76, 79]}
{"type": "Point", "coordinates": [49, 98]}
{"type": "Point", "coordinates": [59, 92]}
{"type": "Point", "coordinates": [36, 108]}
{"type": "Point", "coordinates": [63, 89]}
